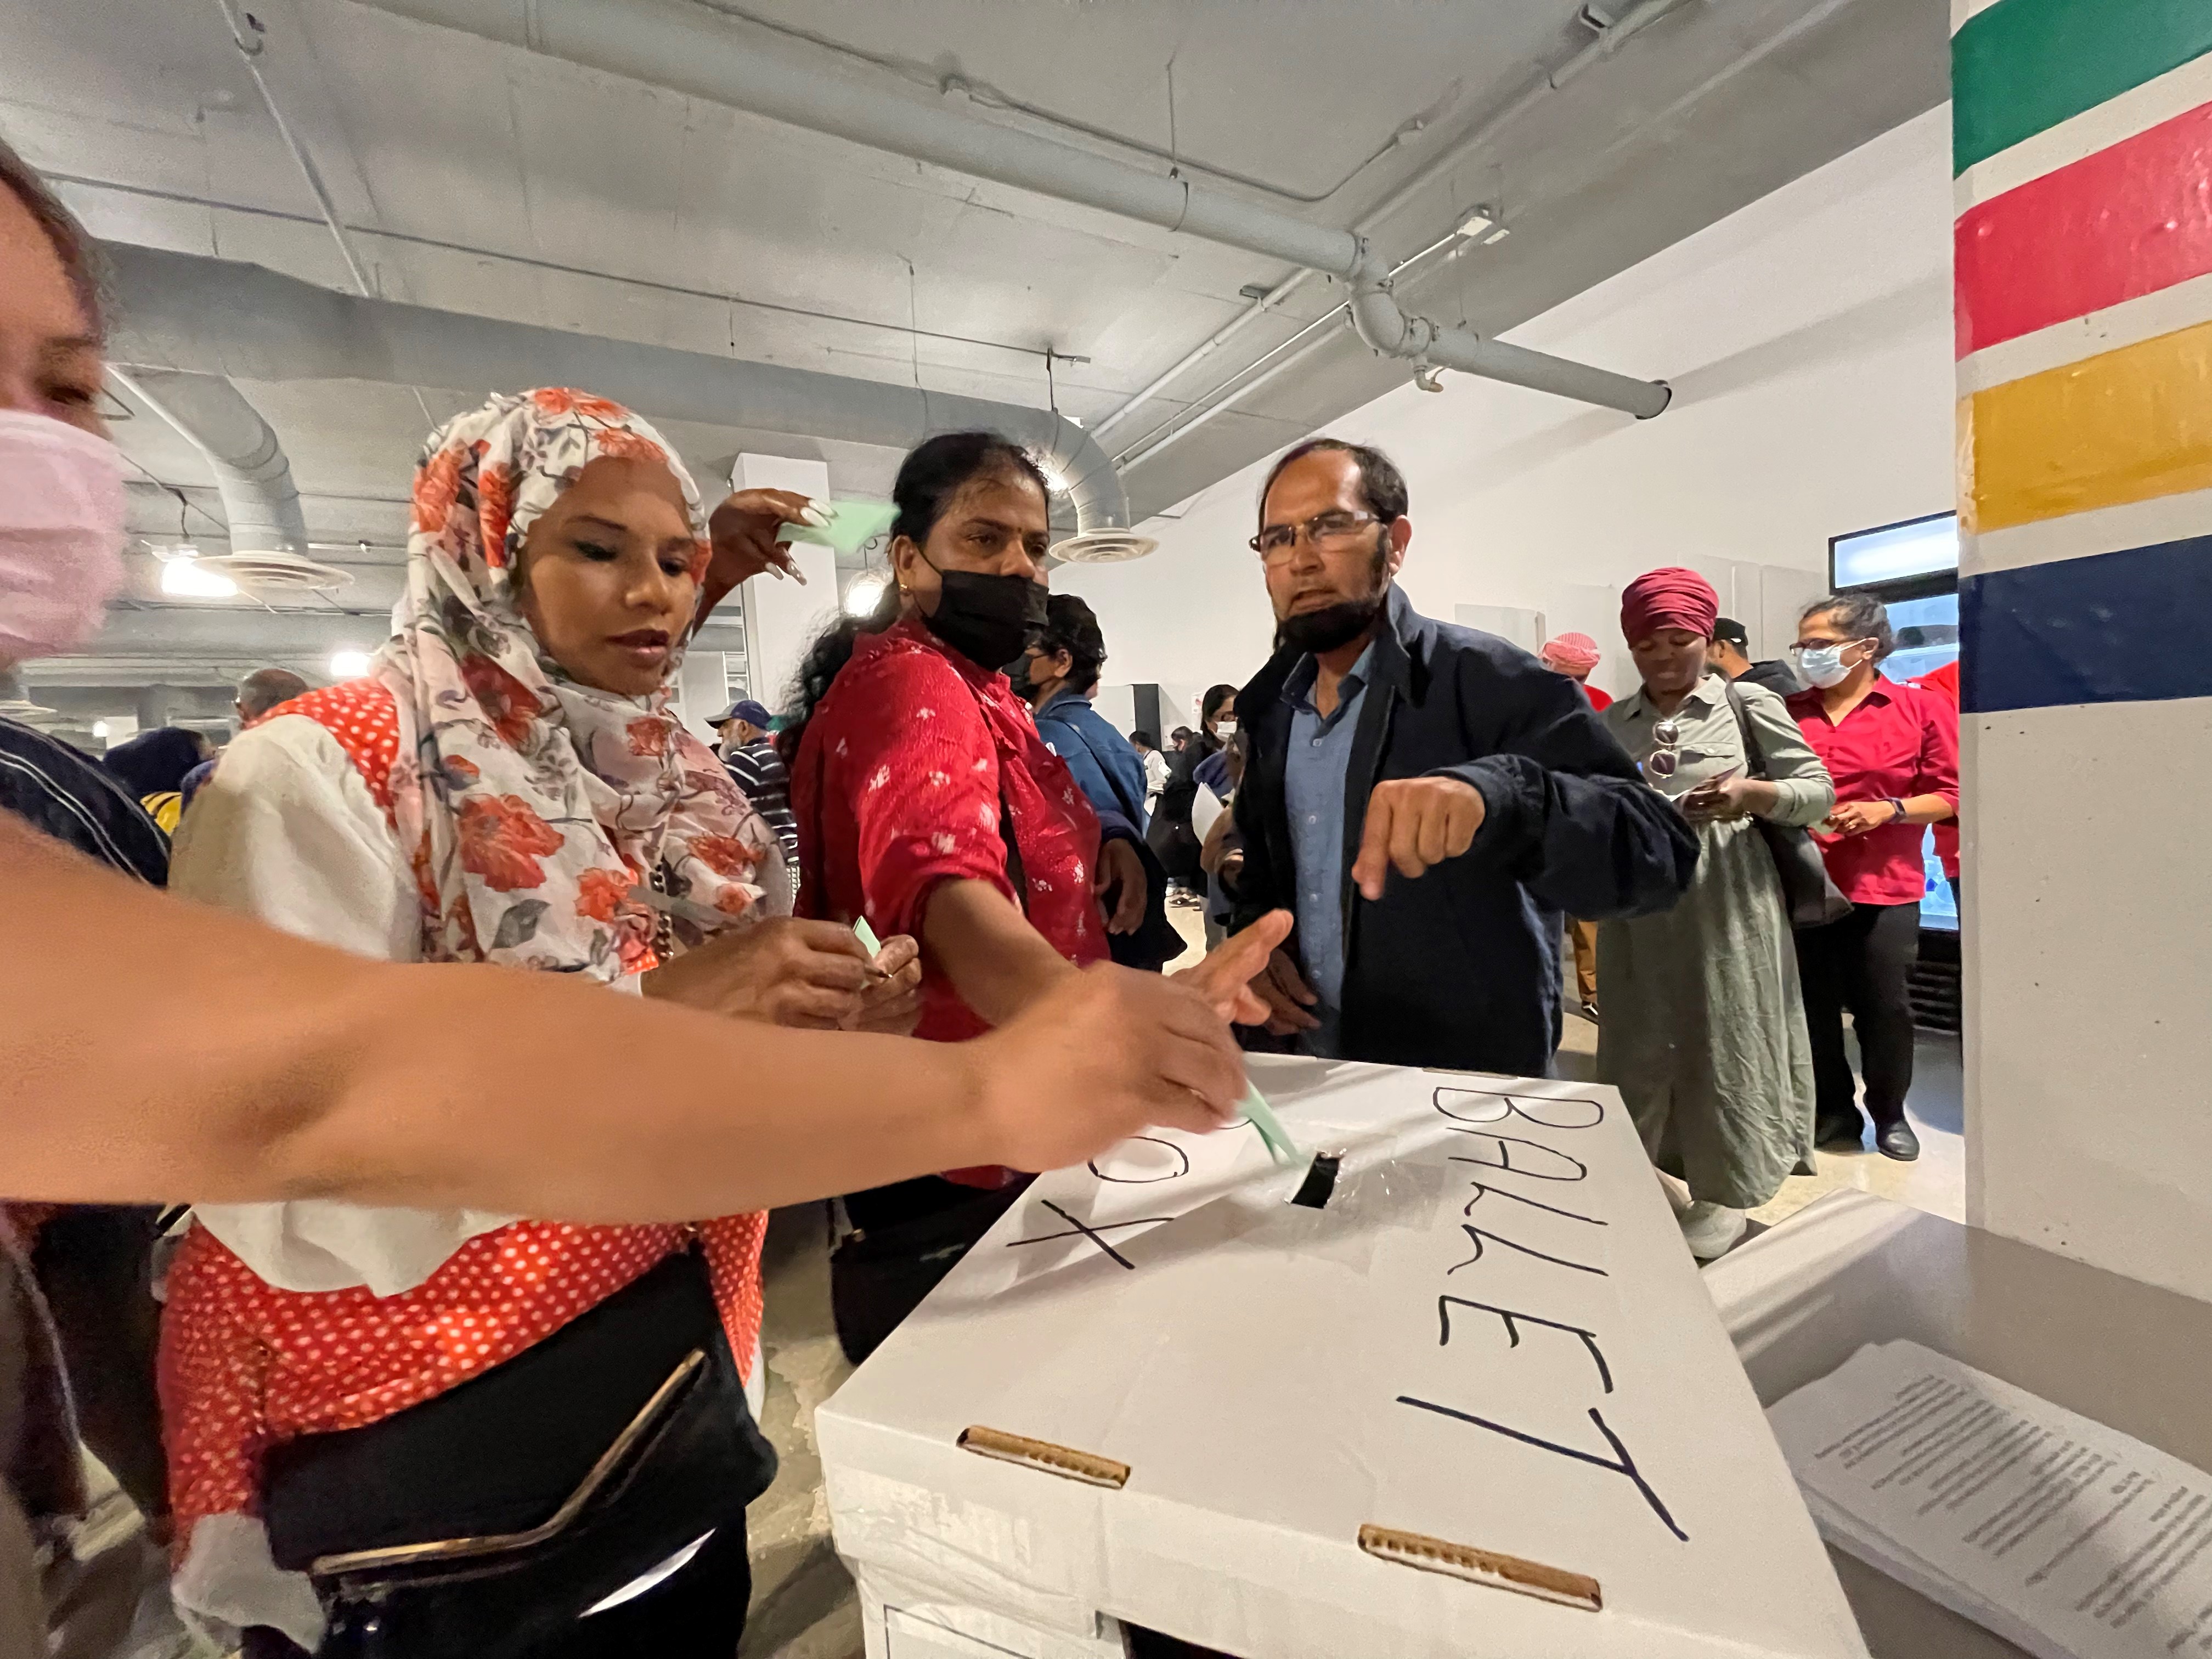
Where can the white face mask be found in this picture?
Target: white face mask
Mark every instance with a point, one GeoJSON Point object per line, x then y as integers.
{"type": "Point", "coordinates": [1224, 730]}
{"type": "Point", "coordinates": [61, 535]}
{"type": "Point", "coordinates": [1823, 665]}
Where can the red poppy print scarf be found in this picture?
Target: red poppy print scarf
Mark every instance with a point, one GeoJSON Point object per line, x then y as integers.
{"type": "Point", "coordinates": [532, 805]}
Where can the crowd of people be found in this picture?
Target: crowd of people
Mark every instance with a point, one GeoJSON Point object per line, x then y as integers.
{"type": "Point", "coordinates": [469, 1249]}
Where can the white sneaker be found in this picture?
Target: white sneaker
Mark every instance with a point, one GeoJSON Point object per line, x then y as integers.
{"type": "Point", "coordinates": [1711, 1230]}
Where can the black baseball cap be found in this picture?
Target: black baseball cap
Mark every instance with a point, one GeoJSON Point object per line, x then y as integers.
{"type": "Point", "coordinates": [1729, 631]}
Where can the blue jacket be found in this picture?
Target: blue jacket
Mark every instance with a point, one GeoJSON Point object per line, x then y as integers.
{"type": "Point", "coordinates": [1459, 967]}
{"type": "Point", "coordinates": [1110, 773]}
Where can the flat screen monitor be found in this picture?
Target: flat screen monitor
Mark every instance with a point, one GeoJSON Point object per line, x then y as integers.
{"type": "Point", "coordinates": [1907, 552]}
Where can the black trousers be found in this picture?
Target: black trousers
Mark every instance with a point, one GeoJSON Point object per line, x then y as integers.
{"type": "Point", "coordinates": [1861, 964]}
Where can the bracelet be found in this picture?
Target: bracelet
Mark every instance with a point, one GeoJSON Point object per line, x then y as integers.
{"type": "Point", "coordinates": [1899, 805]}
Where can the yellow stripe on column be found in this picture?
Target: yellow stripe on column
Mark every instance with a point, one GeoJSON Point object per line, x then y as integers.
{"type": "Point", "coordinates": [2127, 426]}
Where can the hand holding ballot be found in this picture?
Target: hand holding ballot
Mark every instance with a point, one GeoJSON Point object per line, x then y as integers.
{"type": "Point", "coordinates": [1103, 1054]}
{"type": "Point", "coordinates": [813, 976]}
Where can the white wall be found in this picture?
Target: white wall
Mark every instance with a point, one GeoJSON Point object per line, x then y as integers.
{"type": "Point", "coordinates": [1808, 340]}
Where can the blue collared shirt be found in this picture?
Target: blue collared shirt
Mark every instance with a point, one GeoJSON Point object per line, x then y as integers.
{"type": "Point", "coordinates": [1314, 773]}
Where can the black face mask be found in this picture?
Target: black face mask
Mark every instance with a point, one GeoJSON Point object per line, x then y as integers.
{"type": "Point", "coordinates": [1340, 623]}
{"type": "Point", "coordinates": [1018, 677]}
{"type": "Point", "coordinates": [1327, 628]}
{"type": "Point", "coordinates": [987, 619]}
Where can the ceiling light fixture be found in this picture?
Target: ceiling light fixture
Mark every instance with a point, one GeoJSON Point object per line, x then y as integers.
{"type": "Point", "coordinates": [1479, 222]}
{"type": "Point", "coordinates": [100, 730]}
{"type": "Point", "coordinates": [183, 577]}
{"type": "Point", "coordinates": [348, 665]}
{"type": "Point", "coordinates": [865, 593]}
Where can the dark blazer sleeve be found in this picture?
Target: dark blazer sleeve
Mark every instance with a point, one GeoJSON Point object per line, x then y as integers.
{"type": "Point", "coordinates": [1564, 807]}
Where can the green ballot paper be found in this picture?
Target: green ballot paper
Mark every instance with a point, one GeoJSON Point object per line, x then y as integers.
{"type": "Point", "coordinates": [852, 525]}
{"type": "Point", "coordinates": [866, 935]}
{"type": "Point", "coordinates": [1270, 1127]}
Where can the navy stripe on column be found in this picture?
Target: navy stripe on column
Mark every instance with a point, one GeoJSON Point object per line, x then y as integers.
{"type": "Point", "coordinates": [2132, 627]}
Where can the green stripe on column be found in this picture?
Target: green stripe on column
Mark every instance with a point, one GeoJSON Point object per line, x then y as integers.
{"type": "Point", "coordinates": [2023, 66]}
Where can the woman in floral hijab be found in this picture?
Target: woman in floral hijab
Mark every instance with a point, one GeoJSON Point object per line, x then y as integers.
{"type": "Point", "coordinates": [502, 788]}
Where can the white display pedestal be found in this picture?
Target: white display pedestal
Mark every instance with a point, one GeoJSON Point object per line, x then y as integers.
{"type": "Point", "coordinates": [1853, 1269]}
{"type": "Point", "coordinates": [1477, 1406]}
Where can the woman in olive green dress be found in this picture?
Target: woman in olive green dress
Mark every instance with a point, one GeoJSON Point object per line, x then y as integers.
{"type": "Point", "coordinates": [1704, 1030]}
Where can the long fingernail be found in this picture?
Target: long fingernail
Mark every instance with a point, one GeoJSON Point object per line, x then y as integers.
{"type": "Point", "coordinates": [815, 516]}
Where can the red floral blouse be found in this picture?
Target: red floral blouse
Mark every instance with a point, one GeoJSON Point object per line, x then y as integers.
{"type": "Point", "coordinates": [899, 784]}
{"type": "Point", "coordinates": [245, 1365]}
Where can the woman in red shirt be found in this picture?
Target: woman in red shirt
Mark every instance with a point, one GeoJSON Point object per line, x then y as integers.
{"type": "Point", "coordinates": [1893, 752]}
{"type": "Point", "coordinates": [927, 803]}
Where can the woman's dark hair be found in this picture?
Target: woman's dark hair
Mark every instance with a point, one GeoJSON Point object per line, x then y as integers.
{"type": "Point", "coordinates": [934, 471]}
{"type": "Point", "coordinates": [1210, 705]}
{"type": "Point", "coordinates": [1861, 615]}
{"type": "Point", "coordinates": [71, 245]}
{"type": "Point", "coordinates": [1070, 625]}
{"type": "Point", "coordinates": [154, 762]}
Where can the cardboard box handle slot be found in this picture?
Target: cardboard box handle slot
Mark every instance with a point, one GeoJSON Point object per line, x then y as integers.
{"type": "Point", "coordinates": [1086, 1466]}
{"type": "Point", "coordinates": [1511, 1572]}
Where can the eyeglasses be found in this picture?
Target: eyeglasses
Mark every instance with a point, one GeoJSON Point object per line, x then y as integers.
{"type": "Point", "coordinates": [1325, 530]}
{"type": "Point", "coordinates": [1666, 756]}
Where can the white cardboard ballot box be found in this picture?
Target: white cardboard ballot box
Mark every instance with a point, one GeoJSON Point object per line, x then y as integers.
{"type": "Point", "coordinates": [1477, 1405]}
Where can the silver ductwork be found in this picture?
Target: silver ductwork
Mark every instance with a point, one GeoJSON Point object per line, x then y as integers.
{"type": "Point", "coordinates": [215, 318]}
{"type": "Point", "coordinates": [689, 49]}
{"type": "Point", "coordinates": [250, 473]}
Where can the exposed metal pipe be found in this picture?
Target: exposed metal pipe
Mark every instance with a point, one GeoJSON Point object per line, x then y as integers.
{"type": "Point", "coordinates": [1611, 38]}
{"type": "Point", "coordinates": [215, 316]}
{"type": "Point", "coordinates": [250, 473]}
{"type": "Point", "coordinates": [661, 43]}
{"type": "Point", "coordinates": [247, 40]}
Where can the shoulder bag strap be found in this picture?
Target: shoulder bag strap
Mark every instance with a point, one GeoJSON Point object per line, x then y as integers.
{"type": "Point", "coordinates": [1754, 757]}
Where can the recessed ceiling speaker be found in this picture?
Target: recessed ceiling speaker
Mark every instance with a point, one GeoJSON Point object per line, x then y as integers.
{"type": "Point", "coordinates": [1103, 546]}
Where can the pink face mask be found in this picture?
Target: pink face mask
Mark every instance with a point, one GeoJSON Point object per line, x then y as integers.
{"type": "Point", "coordinates": [61, 535]}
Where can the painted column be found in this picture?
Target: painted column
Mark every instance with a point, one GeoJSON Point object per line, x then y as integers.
{"type": "Point", "coordinates": [2083, 152]}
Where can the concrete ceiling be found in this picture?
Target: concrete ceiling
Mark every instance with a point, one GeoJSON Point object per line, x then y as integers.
{"type": "Point", "coordinates": [483, 178]}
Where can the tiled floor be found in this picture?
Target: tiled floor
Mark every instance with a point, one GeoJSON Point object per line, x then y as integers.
{"type": "Point", "coordinates": [804, 1606]}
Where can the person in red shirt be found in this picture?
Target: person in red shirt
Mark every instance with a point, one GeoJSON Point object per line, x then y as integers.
{"type": "Point", "coordinates": [1944, 682]}
{"type": "Point", "coordinates": [1893, 752]}
{"type": "Point", "coordinates": [1574, 655]}
{"type": "Point", "coordinates": [927, 805]}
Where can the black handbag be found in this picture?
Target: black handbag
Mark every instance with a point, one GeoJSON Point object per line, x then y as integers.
{"type": "Point", "coordinates": [1809, 894]}
{"type": "Point", "coordinates": [485, 1521]}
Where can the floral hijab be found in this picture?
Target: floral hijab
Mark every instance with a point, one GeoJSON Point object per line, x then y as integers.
{"type": "Point", "coordinates": [532, 805]}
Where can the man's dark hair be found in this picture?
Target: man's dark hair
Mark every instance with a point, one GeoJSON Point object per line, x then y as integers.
{"type": "Point", "coordinates": [1727, 630]}
{"type": "Point", "coordinates": [1381, 486]}
{"type": "Point", "coordinates": [1072, 626]}
{"type": "Point", "coordinates": [1144, 740]}
{"type": "Point", "coordinates": [265, 688]}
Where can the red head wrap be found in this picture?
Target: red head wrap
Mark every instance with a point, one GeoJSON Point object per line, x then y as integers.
{"type": "Point", "coordinates": [1673, 597]}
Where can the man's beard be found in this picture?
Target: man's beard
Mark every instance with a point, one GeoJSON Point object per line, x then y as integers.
{"type": "Point", "coordinates": [1340, 623]}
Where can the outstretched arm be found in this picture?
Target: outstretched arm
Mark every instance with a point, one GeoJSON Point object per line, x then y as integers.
{"type": "Point", "coordinates": [255, 1066]}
